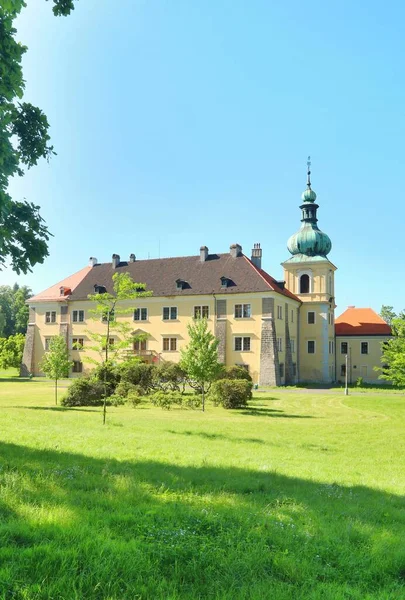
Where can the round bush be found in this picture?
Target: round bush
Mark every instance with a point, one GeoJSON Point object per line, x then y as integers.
{"type": "Point", "coordinates": [166, 399]}
{"type": "Point", "coordinates": [85, 391]}
{"type": "Point", "coordinates": [137, 373]}
{"type": "Point", "coordinates": [126, 387]}
{"type": "Point", "coordinates": [231, 393]}
{"type": "Point", "coordinates": [110, 372]}
{"type": "Point", "coordinates": [234, 372]}
{"type": "Point", "coordinates": [134, 398]}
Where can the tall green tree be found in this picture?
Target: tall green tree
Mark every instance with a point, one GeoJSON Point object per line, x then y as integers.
{"type": "Point", "coordinates": [13, 309]}
{"type": "Point", "coordinates": [56, 363]}
{"type": "Point", "coordinates": [24, 139]}
{"type": "Point", "coordinates": [393, 353]}
{"type": "Point", "coordinates": [387, 313]}
{"type": "Point", "coordinates": [200, 357]}
{"type": "Point", "coordinates": [117, 335]}
{"type": "Point", "coordinates": [11, 351]}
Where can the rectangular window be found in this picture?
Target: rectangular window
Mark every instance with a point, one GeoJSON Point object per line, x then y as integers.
{"type": "Point", "coordinates": [169, 313]}
{"type": "Point", "coordinates": [77, 343]}
{"type": "Point", "coordinates": [242, 344]}
{"type": "Point", "coordinates": [77, 366]}
{"type": "Point", "coordinates": [292, 346]}
{"type": "Point", "coordinates": [140, 346]}
{"type": "Point", "coordinates": [364, 347]}
{"type": "Point", "coordinates": [311, 318]}
{"type": "Point", "coordinates": [281, 369]}
{"type": "Point", "coordinates": [242, 311]}
{"type": "Point", "coordinates": [311, 346]}
{"type": "Point", "coordinates": [280, 344]}
{"type": "Point", "coordinates": [169, 344]}
{"type": "Point", "coordinates": [279, 312]}
{"type": "Point", "coordinates": [78, 316]}
{"type": "Point", "coordinates": [343, 347]}
{"type": "Point", "coordinates": [343, 370]}
{"type": "Point", "coordinates": [47, 344]}
{"type": "Point", "coordinates": [331, 348]}
{"type": "Point", "coordinates": [330, 318]}
{"type": "Point", "coordinates": [294, 369]}
{"type": "Point", "coordinates": [292, 316]}
{"type": "Point", "coordinates": [141, 314]}
{"type": "Point", "coordinates": [50, 316]}
{"type": "Point", "coordinates": [201, 312]}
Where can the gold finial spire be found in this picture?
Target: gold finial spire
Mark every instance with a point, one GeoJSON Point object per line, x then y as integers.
{"type": "Point", "coordinates": [309, 172]}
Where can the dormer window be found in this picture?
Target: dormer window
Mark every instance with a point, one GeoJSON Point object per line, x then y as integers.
{"type": "Point", "coordinates": [180, 284]}
{"type": "Point", "coordinates": [100, 289]}
{"type": "Point", "coordinates": [224, 282]}
{"type": "Point", "coordinates": [64, 291]}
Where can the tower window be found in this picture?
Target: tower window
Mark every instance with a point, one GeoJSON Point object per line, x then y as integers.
{"type": "Point", "coordinates": [311, 346]}
{"type": "Point", "coordinates": [311, 318]}
{"type": "Point", "coordinates": [304, 284]}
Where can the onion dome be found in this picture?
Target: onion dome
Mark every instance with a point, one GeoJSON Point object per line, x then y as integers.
{"type": "Point", "coordinates": [309, 241]}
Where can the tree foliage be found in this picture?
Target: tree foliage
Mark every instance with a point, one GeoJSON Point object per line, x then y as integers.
{"type": "Point", "coordinates": [200, 357]}
{"type": "Point", "coordinates": [108, 307]}
{"type": "Point", "coordinates": [11, 351]}
{"type": "Point", "coordinates": [56, 362]}
{"type": "Point", "coordinates": [393, 353]}
{"type": "Point", "coordinates": [387, 313]}
{"type": "Point", "coordinates": [13, 309]}
{"type": "Point", "coordinates": [24, 139]}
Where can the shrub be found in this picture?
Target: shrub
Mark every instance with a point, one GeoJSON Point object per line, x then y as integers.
{"type": "Point", "coordinates": [231, 393]}
{"type": "Point", "coordinates": [85, 391]}
{"type": "Point", "coordinates": [137, 373]}
{"type": "Point", "coordinates": [166, 399]}
{"type": "Point", "coordinates": [360, 382]}
{"type": "Point", "coordinates": [134, 398]}
{"type": "Point", "coordinates": [111, 373]}
{"type": "Point", "coordinates": [168, 376]}
{"type": "Point", "coordinates": [234, 372]}
{"type": "Point", "coordinates": [126, 387]}
{"type": "Point", "coordinates": [116, 400]}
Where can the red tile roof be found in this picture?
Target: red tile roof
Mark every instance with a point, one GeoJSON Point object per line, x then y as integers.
{"type": "Point", "coordinates": [53, 293]}
{"type": "Point", "coordinates": [361, 321]}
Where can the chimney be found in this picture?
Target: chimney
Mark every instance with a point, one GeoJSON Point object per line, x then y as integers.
{"type": "Point", "coordinates": [132, 258]}
{"type": "Point", "coordinates": [115, 260]}
{"type": "Point", "coordinates": [203, 253]}
{"type": "Point", "coordinates": [92, 261]}
{"type": "Point", "coordinates": [235, 250]}
{"type": "Point", "coordinates": [257, 256]}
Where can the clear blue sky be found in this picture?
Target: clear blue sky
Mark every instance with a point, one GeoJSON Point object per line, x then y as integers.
{"type": "Point", "coordinates": [180, 123]}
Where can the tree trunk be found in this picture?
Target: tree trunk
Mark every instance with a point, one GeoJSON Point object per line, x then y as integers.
{"type": "Point", "coordinates": [203, 399]}
{"type": "Point", "coordinates": [56, 392]}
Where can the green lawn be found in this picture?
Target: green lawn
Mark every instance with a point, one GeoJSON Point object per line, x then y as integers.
{"type": "Point", "coordinates": [299, 497]}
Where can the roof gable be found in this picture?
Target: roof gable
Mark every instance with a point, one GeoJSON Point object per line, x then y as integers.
{"type": "Point", "coordinates": [361, 321]}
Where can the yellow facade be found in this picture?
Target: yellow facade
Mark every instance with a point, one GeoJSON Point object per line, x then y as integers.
{"type": "Point", "coordinates": [317, 317]}
{"type": "Point", "coordinates": [364, 353]}
{"type": "Point", "coordinates": [158, 329]}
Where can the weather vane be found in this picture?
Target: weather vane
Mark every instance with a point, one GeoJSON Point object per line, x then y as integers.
{"type": "Point", "coordinates": [309, 171]}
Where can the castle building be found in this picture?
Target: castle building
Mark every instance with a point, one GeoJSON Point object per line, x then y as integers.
{"type": "Point", "coordinates": [283, 332]}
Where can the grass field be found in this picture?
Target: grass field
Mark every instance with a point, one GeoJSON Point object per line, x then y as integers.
{"type": "Point", "coordinates": [301, 496]}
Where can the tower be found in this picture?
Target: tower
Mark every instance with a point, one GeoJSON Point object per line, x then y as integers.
{"type": "Point", "coordinates": [310, 275]}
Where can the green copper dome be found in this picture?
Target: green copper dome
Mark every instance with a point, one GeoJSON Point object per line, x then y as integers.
{"type": "Point", "coordinates": [309, 241]}
{"type": "Point", "coordinates": [308, 196]}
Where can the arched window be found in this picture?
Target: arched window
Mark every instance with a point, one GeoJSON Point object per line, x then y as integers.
{"type": "Point", "coordinates": [304, 284]}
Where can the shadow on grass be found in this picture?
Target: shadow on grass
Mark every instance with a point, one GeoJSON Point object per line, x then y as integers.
{"type": "Point", "coordinates": [217, 436]}
{"type": "Point", "coordinates": [74, 526]}
{"type": "Point", "coordinates": [59, 408]}
{"type": "Point", "coordinates": [270, 412]}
